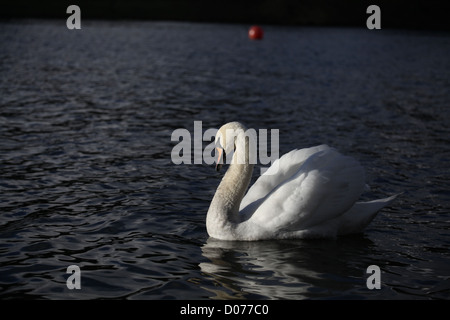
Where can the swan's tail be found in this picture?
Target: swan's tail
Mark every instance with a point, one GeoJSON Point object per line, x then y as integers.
{"type": "Point", "coordinates": [361, 214]}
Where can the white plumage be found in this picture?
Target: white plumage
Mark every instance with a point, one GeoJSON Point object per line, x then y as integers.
{"type": "Point", "coordinates": [310, 192]}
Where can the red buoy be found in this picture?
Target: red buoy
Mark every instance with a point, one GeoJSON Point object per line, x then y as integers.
{"type": "Point", "coordinates": [255, 33]}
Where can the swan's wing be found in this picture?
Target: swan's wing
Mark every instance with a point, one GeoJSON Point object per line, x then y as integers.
{"type": "Point", "coordinates": [281, 170]}
{"type": "Point", "coordinates": [326, 185]}
{"type": "Point", "coordinates": [360, 215]}
{"type": "Point", "coordinates": [352, 221]}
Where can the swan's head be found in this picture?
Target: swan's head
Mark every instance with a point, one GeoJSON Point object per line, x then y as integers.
{"type": "Point", "coordinates": [225, 141]}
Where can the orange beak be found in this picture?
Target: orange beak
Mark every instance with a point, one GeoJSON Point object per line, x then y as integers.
{"type": "Point", "coordinates": [220, 158]}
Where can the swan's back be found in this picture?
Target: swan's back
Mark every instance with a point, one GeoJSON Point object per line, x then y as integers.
{"type": "Point", "coordinates": [280, 171]}
{"type": "Point", "coordinates": [308, 188]}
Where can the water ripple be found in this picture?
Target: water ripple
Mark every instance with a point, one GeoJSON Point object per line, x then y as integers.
{"type": "Point", "coordinates": [86, 176]}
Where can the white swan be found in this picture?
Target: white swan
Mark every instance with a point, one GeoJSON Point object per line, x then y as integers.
{"type": "Point", "coordinates": [307, 193]}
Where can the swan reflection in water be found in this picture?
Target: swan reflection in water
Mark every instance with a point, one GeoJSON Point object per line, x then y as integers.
{"type": "Point", "coordinates": [286, 269]}
{"type": "Point", "coordinates": [309, 193]}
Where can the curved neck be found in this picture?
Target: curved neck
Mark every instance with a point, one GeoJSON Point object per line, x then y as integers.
{"type": "Point", "coordinates": [223, 213]}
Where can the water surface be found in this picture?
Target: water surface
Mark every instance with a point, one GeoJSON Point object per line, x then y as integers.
{"type": "Point", "coordinates": [86, 176]}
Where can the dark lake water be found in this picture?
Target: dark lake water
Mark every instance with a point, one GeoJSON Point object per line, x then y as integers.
{"type": "Point", "coordinates": [86, 176]}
